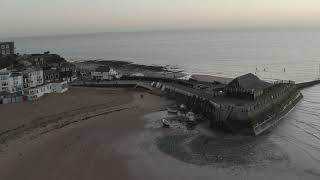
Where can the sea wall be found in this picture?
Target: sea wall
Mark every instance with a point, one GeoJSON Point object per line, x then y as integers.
{"type": "Point", "coordinates": [110, 84]}
{"type": "Point", "coordinates": [241, 119]}
{"type": "Point", "coordinates": [308, 84]}
{"type": "Point", "coordinates": [248, 121]}
{"type": "Point", "coordinates": [235, 118]}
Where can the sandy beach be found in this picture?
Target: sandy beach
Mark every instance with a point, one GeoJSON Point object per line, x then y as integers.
{"type": "Point", "coordinates": [90, 133]}
{"type": "Point", "coordinates": [82, 150]}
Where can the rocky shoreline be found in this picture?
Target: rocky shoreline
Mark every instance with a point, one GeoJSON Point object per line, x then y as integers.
{"type": "Point", "coordinates": [126, 68]}
{"type": "Point", "coordinates": [126, 65]}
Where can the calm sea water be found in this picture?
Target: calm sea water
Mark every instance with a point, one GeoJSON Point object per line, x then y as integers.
{"type": "Point", "coordinates": [274, 54]}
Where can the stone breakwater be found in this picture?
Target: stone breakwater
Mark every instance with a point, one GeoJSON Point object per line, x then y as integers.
{"type": "Point", "coordinates": [251, 118]}
{"type": "Point", "coordinates": [234, 114]}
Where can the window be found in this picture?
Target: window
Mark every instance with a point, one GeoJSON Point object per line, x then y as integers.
{"type": "Point", "coordinates": [8, 46]}
{"type": "Point", "coordinates": [4, 84]}
{"type": "Point", "coordinates": [64, 86]}
{"type": "Point", "coordinates": [2, 46]}
{"type": "Point", "coordinates": [3, 77]}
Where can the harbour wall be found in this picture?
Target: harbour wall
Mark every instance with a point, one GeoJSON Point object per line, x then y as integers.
{"type": "Point", "coordinates": [244, 119]}
{"type": "Point", "coordinates": [232, 117]}
{"type": "Point", "coordinates": [308, 84]}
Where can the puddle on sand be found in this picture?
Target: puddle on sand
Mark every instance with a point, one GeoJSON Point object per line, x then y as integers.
{"type": "Point", "coordinates": [153, 120]}
{"type": "Point", "coordinates": [199, 148]}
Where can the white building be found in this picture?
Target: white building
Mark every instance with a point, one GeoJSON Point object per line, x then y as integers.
{"type": "Point", "coordinates": [104, 73]}
{"type": "Point", "coordinates": [33, 78]}
{"type": "Point", "coordinates": [10, 82]}
{"type": "Point", "coordinates": [37, 92]}
{"type": "Point", "coordinates": [60, 87]}
{"type": "Point", "coordinates": [137, 75]}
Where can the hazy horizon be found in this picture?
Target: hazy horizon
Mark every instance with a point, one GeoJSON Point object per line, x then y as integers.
{"type": "Point", "coordinates": [38, 17]}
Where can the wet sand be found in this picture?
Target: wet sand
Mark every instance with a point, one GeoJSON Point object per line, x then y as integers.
{"type": "Point", "coordinates": [114, 140]}
{"type": "Point", "coordinates": [83, 150]}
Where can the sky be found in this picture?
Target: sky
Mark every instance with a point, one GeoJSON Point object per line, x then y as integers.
{"type": "Point", "coordinates": [50, 17]}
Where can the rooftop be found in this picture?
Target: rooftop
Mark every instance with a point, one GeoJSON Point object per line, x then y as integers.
{"type": "Point", "coordinates": [4, 71]}
{"type": "Point", "coordinates": [8, 42]}
{"type": "Point", "coordinates": [103, 69]}
{"type": "Point", "coordinates": [211, 79]}
{"type": "Point", "coordinates": [249, 82]}
{"type": "Point", "coordinates": [29, 70]}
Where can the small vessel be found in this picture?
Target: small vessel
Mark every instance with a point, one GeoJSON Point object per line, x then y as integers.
{"type": "Point", "coordinates": [190, 116]}
{"type": "Point", "coordinates": [172, 110]}
{"type": "Point", "coordinates": [165, 123]}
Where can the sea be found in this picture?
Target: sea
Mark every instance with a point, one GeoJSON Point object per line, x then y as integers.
{"type": "Point", "coordinates": [271, 54]}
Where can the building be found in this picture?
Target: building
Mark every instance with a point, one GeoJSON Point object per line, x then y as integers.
{"type": "Point", "coordinates": [36, 93]}
{"type": "Point", "coordinates": [46, 60]}
{"type": "Point", "coordinates": [10, 82]}
{"type": "Point", "coordinates": [7, 48]}
{"type": "Point", "coordinates": [8, 98]}
{"type": "Point", "coordinates": [51, 75]}
{"type": "Point", "coordinates": [33, 78]}
{"type": "Point", "coordinates": [67, 72]}
{"type": "Point", "coordinates": [11, 86]}
{"type": "Point", "coordinates": [104, 73]}
{"type": "Point", "coordinates": [247, 86]}
{"type": "Point", "coordinates": [4, 80]}
{"type": "Point", "coordinates": [59, 87]}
